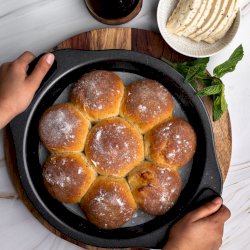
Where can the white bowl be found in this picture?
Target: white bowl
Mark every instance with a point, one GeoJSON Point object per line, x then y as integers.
{"type": "Point", "coordinates": [185, 45]}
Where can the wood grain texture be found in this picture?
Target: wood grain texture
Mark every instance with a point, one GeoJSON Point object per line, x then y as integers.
{"type": "Point", "coordinates": [116, 38]}
{"type": "Point", "coordinates": [222, 137]}
{"type": "Point", "coordinates": [151, 43]}
{"type": "Point", "coordinates": [142, 41]}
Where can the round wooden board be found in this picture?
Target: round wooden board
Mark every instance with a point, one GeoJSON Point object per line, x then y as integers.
{"type": "Point", "coordinates": [143, 41]}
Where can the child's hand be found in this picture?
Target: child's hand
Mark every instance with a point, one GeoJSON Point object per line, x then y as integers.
{"type": "Point", "coordinates": [200, 229]}
{"type": "Point", "coordinates": [16, 88]}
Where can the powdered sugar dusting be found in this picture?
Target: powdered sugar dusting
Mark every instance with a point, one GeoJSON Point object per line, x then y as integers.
{"type": "Point", "coordinates": [57, 127]}
{"type": "Point", "coordinates": [108, 199]}
{"type": "Point", "coordinates": [97, 90]}
{"type": "Point", "coordinates": [179, 139]}
{"type": "Point", "coordinates": [148, 99]}
{"type": "Point", "coordinates": [142, 108]}
{"type": "Point", "coordinates": [113, 146]}
{"type": "Point", "coordinates": [110, 203]}
{"type": "Point", "coordinates": [57, 172]}
{"type": "Point", "coordinates": [158, 189]}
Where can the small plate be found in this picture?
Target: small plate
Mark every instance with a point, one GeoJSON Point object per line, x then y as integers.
{"type": "Point", "coordinates": [185, 45]}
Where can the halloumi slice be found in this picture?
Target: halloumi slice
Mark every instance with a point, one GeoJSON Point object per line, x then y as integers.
{"type": "Point", "coordinates": [214, 13]}
{"type": "Point", "coordinates": [219, 17]}
{"type": "Point", "coordinates": [225, 25]}
{"type": "Point", "coordinates": [182, 15]}
{"type": "Point", "coordinates": [204, 17]}
{"type": "Point", "coordinates": [194, 21]}
{"type": "Point", "coordinates": [191, 26]}
{"type": "Point", "coordinates": [223, 20]}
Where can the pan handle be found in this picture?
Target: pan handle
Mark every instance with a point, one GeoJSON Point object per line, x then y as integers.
{"type": "Point", "coordinates": [203, 196]}
{"type": "Point", "coordinates": [52, 69]}
{"type": "Point", "coordinates": [211, 183]}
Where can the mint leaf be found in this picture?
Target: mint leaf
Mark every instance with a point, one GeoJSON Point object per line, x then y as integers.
{"type": "Point", "coordinates": [211, 90]}
{"type": "Point", "coordinates": [223, 101]}
{"type": "Point", "coordinates": [230, 64]}
{"type": "Point", "coordinates": [193, 83]}
{"type": "Point", "coordinates": [217, 111]}
{"type": "Point", "coordinates": [207, 82]}
{"type": "Point", "coordinates": [198, 61]}
{"type": "Point", "coordinates": [216, 81]}
{"type": "Point", "coordinates": [194, 70]}
{"type": "Point", "coordinates": [203, 75]}
{"type": "Point", "coordinates": [182, 69]}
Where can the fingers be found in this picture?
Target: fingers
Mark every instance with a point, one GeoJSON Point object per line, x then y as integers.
{"type": "Point", "coordinates": [26, 58]}
{"type": "Point", "coordinates": [205, 210]}
{"type": "Point", "coordinates": [41, 70]}
{"type": "Point", "coordinates": [223, 214]}
{"type": "Point", "coordinates": [20, 65]}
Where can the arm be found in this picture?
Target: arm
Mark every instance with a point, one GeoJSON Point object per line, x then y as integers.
{"type": "Point", "coordinates": [199, 229]}
{"type": "Point", "coordinates": [16, 88]}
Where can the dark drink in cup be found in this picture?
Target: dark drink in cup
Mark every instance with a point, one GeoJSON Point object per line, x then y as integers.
{"type": "Point", "coordinates": [114, 11]}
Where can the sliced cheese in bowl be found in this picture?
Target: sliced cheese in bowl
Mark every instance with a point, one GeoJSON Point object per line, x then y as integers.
{"type": "Point", "coordinates": [192, 25]}
{"type": "Point", "coordinates": [206, 15]}
{"type": "Point", "coordinates": [183, 15]}
{"type": "Point", "coordinates": [210, 26]}
{"type": "Point", "coordinates": [218, 19]}
{"type": "Point", "coordinates": [225, 24]}
{"type": "Point", "coordinates": [186, 45]}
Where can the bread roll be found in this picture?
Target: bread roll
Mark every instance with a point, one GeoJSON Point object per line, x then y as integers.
{"type": "Point", "coordinates": [63, 128]}
{"type": "Point", "coordinates": [155, 188]}
{"type": "Point", "coordinates": [98, 94]}
{"type": "Point", "coordinates": [67, 176]}
{"type": "Point", "coordinates": [146, 103]}
{"type": "Point", "coordinates": [109, 203]}
{"type": "Point", "coordinates": [114, 147]}
{"type": "Point", "coordinates": [173, 143]}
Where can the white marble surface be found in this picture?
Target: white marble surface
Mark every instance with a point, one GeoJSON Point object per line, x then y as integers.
{"type": "Point", "coordinates": [38, 25]}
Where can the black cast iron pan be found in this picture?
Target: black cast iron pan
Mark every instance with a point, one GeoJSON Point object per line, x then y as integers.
{"type": "Point", "coordinates": [204, 182]}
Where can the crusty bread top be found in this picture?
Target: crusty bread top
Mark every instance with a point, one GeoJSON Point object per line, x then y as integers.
{"type": "Point", "coordinates": [146, 103]}
{"type": "Point", "coordinates": [63, 128]}
{"type": "Point", "coordinates": [155, 187]}
{"type": "Point", "coordinates": [172, 142]}
{"type": "Point", "coordinates": [114, 147]}
{"type": "Point", "coordinates": [98, 94]}
{"type": "Point", "coordinates": [108, 203]}
{"type": "Point", "coordinates": [67, 176]}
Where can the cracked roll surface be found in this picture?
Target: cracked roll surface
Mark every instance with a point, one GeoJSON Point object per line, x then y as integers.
{"type": "Point", "coordinates": [114, 147]}
{"type": "Point", "coordinates": [98, 94]}
{"type": "Point", "coordinates": [67, 176]}
{"type": "Point", "coordinates": [109, 203]}
{"type": "Point", "coordinates": [173, 143]}
{"type": "Point", "coordinates": [63, 128]}
{"type": "Point", "coordinates": [146, 103]}
{"type": "Point", "coordinates": [155, 188]}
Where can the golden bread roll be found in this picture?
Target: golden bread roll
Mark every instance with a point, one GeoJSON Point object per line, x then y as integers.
{"type": "Point", "coordinates": [67, 176]}
{"type": "Point", "coordinates": [173, 143]}
{"type": "Point", "coordinates": [109, 203]}
{"type": "Point", "coordinates": [155, 188]}
{"type": "Point", "coordinates": [98, 94]}
{"type": "Point", "coordinates": [146, 103]}
{"type": "Point", "coordinates": [114, 147]}
{"type": "Point", "coordinates": [63, 128]}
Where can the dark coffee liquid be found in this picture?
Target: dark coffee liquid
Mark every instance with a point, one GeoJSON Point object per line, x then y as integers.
{"type": "Point", "coordinates": [112, 9]}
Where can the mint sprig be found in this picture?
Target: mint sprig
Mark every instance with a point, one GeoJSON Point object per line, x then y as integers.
{"type": "Point", "coordinates": [230, 64]}
{"type": "Point", "coordinates": [195, 71]}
